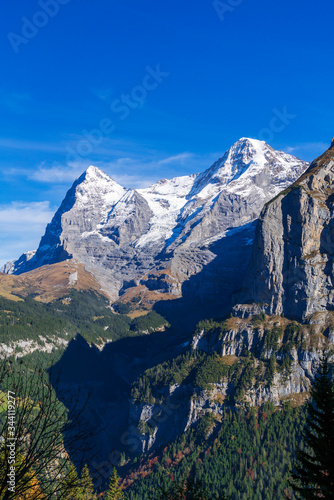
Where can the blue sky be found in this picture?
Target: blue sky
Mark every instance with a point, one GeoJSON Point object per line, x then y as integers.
{"type": "Point", "coordinates": [150, 90]}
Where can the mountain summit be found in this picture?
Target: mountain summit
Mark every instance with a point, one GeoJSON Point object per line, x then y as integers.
{"type": "Point", "coordinates": [128, 238]}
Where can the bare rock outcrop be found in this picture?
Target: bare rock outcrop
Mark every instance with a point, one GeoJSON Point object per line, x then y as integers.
{"type": "Point", "coordinates": [292, 265]}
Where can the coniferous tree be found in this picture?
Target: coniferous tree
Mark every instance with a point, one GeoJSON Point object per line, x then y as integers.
{"type": "Point", "coordinates": [86, 488]}
{"type": "Point", "coordinates": [71, 484]}
{"type": "Point", "coordinates": [186, 490]}
{"type": "Point", "coordinates": [313, 475]}
{"type": "Point", "coordinates": [114, 491]}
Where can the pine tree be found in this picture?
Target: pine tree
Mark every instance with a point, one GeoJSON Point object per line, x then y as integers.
{"type": "Point", "coordinates": [86, 488]}
{"type": "Point", "coordinates": [114, 491]}
{"type": "Point", "coordinates": [313, 475]}
{"type": "Point", "coordinates": [186, 490]}
{"type": "Point", "coordinates": [71, 484]}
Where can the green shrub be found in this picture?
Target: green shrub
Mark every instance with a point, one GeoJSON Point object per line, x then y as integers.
{"type": "Point", "coordinates": [122, 308]}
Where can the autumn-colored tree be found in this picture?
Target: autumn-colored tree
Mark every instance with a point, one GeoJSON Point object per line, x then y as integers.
{"type": "Point", "coordinates": [28, 476]}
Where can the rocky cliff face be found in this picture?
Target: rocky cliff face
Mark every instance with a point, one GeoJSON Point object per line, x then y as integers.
{"type": "Point", "coordinates": [150, 425]}
{"type": "Point", "coordinates": [291, 270]}
{"type": "Point", "coordinates": [283, 321]}
{"type": "Point", "coordinates": [122, 235]}
{"type": "Point", "coordinates": [270, 359]}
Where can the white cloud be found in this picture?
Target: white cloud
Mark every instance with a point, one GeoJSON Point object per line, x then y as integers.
{"type": "Point", "coordinates": [308, 147]}
{"type": "Point", "coordinates": [26, 145]}
{"type": "Point", "coordinates": [56, 175]}
{"type": "Point", "coordinates": [140, 172]}
{"type": "Point", "coordinates": [128, 169]}
{"type": "Point", "coordinates": [21, 227]}
{"type": "Point", "coordinates": [138, 164]}
{"type": "Point", "coordinates": [106, 94]}
{"type": "Point", "coordinates": [15, 101]}
{"type": "Point", "coordinates": [181, 158]}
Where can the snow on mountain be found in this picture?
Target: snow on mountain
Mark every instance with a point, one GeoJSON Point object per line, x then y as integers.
{"type": "Point", "coordinates": [121, 234]}
{"type": "Point", "coordinates": [250, 170]}
{"type": "Point", "coordinates": [166, 199]}
{"type": "Point", "coordinates": [15, 265]}
{"type": "Point", "coordinates": [94, 184]}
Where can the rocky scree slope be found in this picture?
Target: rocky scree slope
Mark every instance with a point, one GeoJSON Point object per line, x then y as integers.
{"type": "Point", "coordinates": [180, 225]}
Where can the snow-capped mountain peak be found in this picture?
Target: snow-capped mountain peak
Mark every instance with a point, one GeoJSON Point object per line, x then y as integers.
{"type": "Point", "coordinates": [96, 172]}
{"type": "Point", "coordinates": [124, 233]}
{"type": "Point", "coordinates": [247, 163]}
{"type": "Point", "coordinates": [236, 161]}
{"type": "Point", "coordinates": [94, 175]}
{"type": "Point", "coordinates": [96, 187]}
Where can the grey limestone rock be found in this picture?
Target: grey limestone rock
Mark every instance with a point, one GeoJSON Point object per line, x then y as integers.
{"type": "Point", "coordinates": [292, 264]}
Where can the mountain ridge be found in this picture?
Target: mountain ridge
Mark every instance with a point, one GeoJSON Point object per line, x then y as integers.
{"type": "Point", "coordinates": [121, 235]}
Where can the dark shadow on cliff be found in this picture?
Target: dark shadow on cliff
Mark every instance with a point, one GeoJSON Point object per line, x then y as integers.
{"type": "Point", "coordinates": [96, 385]}
{"type": "Point", "coordinates": [327, 247]}
{"type": "Point", "coordinates": [99, 381]}
{"type": "Point", "coordinates": [294, 300]}
{"type": "Point", "coordinates": [208, 294]}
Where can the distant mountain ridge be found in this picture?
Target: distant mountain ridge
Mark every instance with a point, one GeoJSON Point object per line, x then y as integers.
{"type": "Point", "coordinates": [127, 237]}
